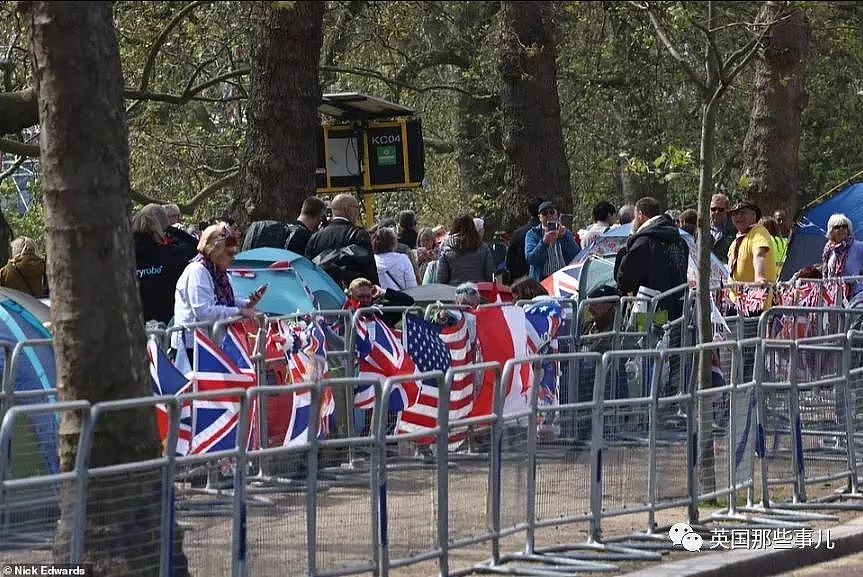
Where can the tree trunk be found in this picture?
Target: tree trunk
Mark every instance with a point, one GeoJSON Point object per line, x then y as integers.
{"type": "Point", "coordinates": [707, 472]}
{"type": "Point", "coordinates": [532, 134]}
{"type": "Point", "coordinates": [634, 186]}
{"type": "Point", "coordinates": [277, 171]}
{"type": "Point", "coordinates": [96, 314]}
{"type": "Point", "coordinates": [775, 124]}
{"type": "Point", "coordinates": [475, 153]}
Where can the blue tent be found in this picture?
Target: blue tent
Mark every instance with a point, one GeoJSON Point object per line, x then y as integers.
{"type": "Point", "coordinates": [808, 239]}
{"type": "Point", "coordinates": [21, 318]}
{"type": "Point", "coordinates": [296, 284]}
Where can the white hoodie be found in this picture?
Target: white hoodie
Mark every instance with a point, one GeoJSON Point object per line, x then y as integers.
{"type": "Point", "coordinates": [395, 271]}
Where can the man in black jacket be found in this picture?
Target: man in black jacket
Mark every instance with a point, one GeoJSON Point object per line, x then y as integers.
{"type": "Point", "coordinates": [309, 221]}
{"type": "Point", "coordinates": [655, 256]}
{"type": "Point", "coordinates": [343, 232]}
{"type": "Point", "coordinates": [516, 262]}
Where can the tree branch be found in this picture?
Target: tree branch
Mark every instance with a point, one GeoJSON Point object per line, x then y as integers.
{"type": "Point", "coordinates": [11, 170]}
{"type": "Point", "coordinates": [187, 95]}
{"type": "Point", "coordinates": [438, 145]}
{"type": "Point", "coordinates": [751, 48]}
{"type": "Point", "coordinates": [712, 50]}
{"type": "Point", "coordinates": [18, 148]}
{"type": "Point", "coordinates": [192, 204]}
{"type": "Point", "coordinates": [239, 72]}
{"type": "Point", "coordinates": [672, 50]}
{"type": "Point", "coordinates": [392, 82]}
{"type": "Point", "coordinates": [150, 63]}
{"type": "Point", "coordinates": [18, 110]}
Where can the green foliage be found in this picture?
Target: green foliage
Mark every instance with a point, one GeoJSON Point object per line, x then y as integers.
{"type": "Point", "coordinates": [32, 223]}
{"type": "Point", "coordinates": [625, 105]}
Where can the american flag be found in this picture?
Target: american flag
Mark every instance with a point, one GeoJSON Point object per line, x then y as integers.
{"type": "Point", "coordinates": [238, 345]}
{"type": "Point", "coordinates": [381, 354]}
{"type": "Point", "coordinates": [436, 349]}
{"type": "Point", "coordinates": [215, 420]}
{"type": "Point", "coordinates": [307, 359]}
{"type": "Point", "coordinates": [544, 319]}
{"type": "Point", "coordinates": [167, 380]}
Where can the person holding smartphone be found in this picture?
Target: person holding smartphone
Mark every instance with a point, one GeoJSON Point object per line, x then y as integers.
{"type": "Point", "coordinates": [203, 292]}
{"type": "Point", "coordinates": [549, 246]}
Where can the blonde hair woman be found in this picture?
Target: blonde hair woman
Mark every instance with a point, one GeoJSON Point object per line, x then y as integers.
{"type": "Point", "coordinates": [204, 292]}
{"type": "Point", "coordinates": [158, 263]}
{"type": "Point", "coordinates": [25, 270]}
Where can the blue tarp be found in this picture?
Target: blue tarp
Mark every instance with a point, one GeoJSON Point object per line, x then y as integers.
{"type": "Point", "coordinates": [808, 240]}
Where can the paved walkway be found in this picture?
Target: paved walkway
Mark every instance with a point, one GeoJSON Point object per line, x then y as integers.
{"type": "Point", "coordinates": [844, 560]}
{"type": "Point", "coordinates": [850, 566]}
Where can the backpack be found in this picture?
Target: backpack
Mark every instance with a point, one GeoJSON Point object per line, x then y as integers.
{"type": "Point", "coordinates": [268, 233]}
{"type": "Point", "coordinates": [343, 264]}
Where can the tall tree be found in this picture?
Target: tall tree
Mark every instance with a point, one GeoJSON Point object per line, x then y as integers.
{"type": "Point", "coordinates": [277, 170]}
{"type": "Point", "coordinates": [775, 123]}
{"type": "Point", "coordinates": [96, 314]}
{"type": "Point", "coordinates": [532, 134]}
{"type": "Point", "coordinates": [479, 151]}
{"type": "Point", "coordinates": [720, 71]}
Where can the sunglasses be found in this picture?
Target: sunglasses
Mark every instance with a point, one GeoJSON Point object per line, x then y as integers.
{"type": "Point", "coordinates": [840, 227]}
{"type": "Point", "coordinates": [717, 209]}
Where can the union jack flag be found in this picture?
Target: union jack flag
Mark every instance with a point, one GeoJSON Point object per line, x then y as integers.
{"type": "Point", "coordinates": [167, 380]}
{"type": "Point", "coordinates": [381, 354]}
{"type": "Point", "coordinates": [564, 283]}
{"type": "Point", "coordinates": [215, 419]}
{"type": "Point", "coordinates": [307, 360]}
{"type": "Point", "coordinates": [752, 299]}
{"type": "Point", "coordinates": [237, 346]}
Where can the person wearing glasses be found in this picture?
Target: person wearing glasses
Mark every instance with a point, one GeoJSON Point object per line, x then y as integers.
{"type": "Point", "coordinates": [204, 292]}
{"type": "Point", "coordinates": [752, 254]}
{"type": "Point", "coordinates": [722, 230]}
{"type": "Point", "coordinates": [842, 255]}
{"type": "Point", "coordinates": [549, 246]}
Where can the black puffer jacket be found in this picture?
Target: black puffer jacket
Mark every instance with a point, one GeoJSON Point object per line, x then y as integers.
{"type": "Point", "coordinates": [158, 267]}
{"type": "Point", "coordinates": [655, 257]}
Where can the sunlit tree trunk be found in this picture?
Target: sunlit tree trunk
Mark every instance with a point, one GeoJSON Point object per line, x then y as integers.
{"type": "Point", "coordinates": [532, 133]}
{"type": "Point", "coordinates": [277, 171]}
{"type": "Point", "coordinates": [775, 124]}
{"type": "Point", "coordinates": [96, 314]}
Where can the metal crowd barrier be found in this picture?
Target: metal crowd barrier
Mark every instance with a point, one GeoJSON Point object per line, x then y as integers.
{"type": "Point", "coordinates": [358, 503]}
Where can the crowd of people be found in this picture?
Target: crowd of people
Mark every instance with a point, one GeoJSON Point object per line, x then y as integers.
{"type": "Point", "coordinates": [182, 272]}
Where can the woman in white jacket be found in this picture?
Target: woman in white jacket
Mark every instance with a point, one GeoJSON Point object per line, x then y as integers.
{"type": "Point", "coordinates": [204, 292]}
{"type": "Point", "coordinates": [395, 270]}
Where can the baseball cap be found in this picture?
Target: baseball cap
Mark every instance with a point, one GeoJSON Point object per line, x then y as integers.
{"type": "Point", "coordinates": [547, 205]}
{"type": "Point", "coordinates": [744, 205]}
{"type": "Point", "coordinates": [602, 291]}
